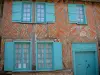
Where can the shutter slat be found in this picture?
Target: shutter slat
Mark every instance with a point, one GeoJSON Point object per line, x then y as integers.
{"type": "Point", "coordinates": [57, 55]}
{"type": "Point", "coordinates": [8, 56]}
{"type": "Point", "coordinates": [50, 13]}
{"type": "Point", "coordinates": [16, 11]}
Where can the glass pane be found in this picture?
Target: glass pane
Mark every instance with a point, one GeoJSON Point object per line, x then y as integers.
{"type": "Point", "coordinates": [25, 5]}
{"type": "Point", "coordinates": [48, 55]}
{"type": "Point", "coordinates": [25, 10]}
{"type": "Point", "coordinates": [19, 65]}
{"type": "Point", "coordinates": [81, 8]}
{"type": "Point", "coordinates": [42, 6]}
{"type": "Point", "coordinates": [42, 10]}
{"type": "Point", "coordinates": [48, 61]}
{"type": "Point", "coordinates": [26, 61]}
{"type": "Point", "coordinates": [42, 15]}
{"type": "Point", "coordinates": [81, 12]}
{"type": "Point", "coordinates": [16, 65]}
{"type": "Point", "coordinates": [25, 50]}
{"type": "Point", "coordinates": [24, 19]}
{"type": "Point", "coordinates": [42, 19]}
{"type": "Point", "coordinates": [24, 65]}
{"type": "Point", "coordinates": [79, 20]}
{"type": "Point", "coordinates": [38, 10]}
{"type": "Point", "coordinates": [40, 65]}
{"type": "Point", "coordinates": [28, 10]}
{"type": "Point", "coordinates": [18, 45]}
{"type": "Point", "coordinates": [25, 45]}
{"type": "Point", "coordinates": [49, 65]}
{"type": "Point", "coordinates": [40, 55]}
{"type": "Point", "coordinates": [48, 46]}
{"type": "Point", "coordinates": [82, 20]}
{"type": "Point", "coordinates": [40, 61]}
{"type": "Point", "coordinates": [28, 5]}
{"type": "Point", "coordinates": [28, 19]}
{"type": "Point", "coordinates": [28, 14]}
{"type": "Point", "coordinates": [38, 15]}
{"type": "Point", "coordinates": [38, 19]}
{"type": "Point", "coordinates": [25, 14]}
{"type": "Point", "coordinates": [38, 6]}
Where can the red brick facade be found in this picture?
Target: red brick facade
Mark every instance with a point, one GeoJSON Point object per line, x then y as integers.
{"type": "Point", "coordinates": [62, 30]}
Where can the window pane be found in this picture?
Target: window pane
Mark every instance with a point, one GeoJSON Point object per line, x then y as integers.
{"type": "Point", "coordinates": [38, 15]}
{"type": "Point", "coordinates": [81, 12]}
{"type": "Point", "coordinates": [28, 14]}
{"type": "Point", "coordinates": [42, 10]}
{"type": "Point", "coordinates": [82, 20]}
{"type": "Point", "coordinates": [38, 19]}
{"type": "Point", "coordinates": [38, 10]}
{"type": "Point", "coordinates": [42, 19]}
{"type": "Point", "coordinates": [42, 6]}
{"type": "Point", "coordinates": [25, 5]}
{"type": "Point", "coordinates": [28, 10]}
{"type": "Point", "coordinates": [42, 15]}
{"type": "Point", "coordinates": [28, 6]}
{"type": "Point", "coordinates": [25, 14]}
{"type": "Point", "coordinates": [38, 6]}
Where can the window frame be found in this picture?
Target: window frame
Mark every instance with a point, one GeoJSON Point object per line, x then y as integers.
{"type": "Point", "coordinates": [84, 14]}
{"type": "Point", "coordinates": [44, 3]}
{"type": "Point", "coordinates": [30, 56]}
{"type": "Point", "coordinates": [44, 42]}
{"type": "Point", "coordinates": [26, 2]}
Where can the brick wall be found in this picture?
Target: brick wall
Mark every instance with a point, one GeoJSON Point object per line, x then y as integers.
{"type": "Point", "coordinates": [62, 30]}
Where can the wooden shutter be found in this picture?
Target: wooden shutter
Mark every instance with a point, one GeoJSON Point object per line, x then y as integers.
{"type": "Point", "coordinates": [50, 13]}
{"type": "Point", "coordinates": [16, 11]}
{"type": "Point", "coordinates": [85, 18]}
{"type": "Point", "coordinates": [72, 13]}
{"type": "Point", "coordinates": [8, 56]}
{"type": "Point", "coordinates": [57, 55]}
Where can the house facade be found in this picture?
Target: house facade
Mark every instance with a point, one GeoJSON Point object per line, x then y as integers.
{"type": "Point", "coordinates": [50, 37]}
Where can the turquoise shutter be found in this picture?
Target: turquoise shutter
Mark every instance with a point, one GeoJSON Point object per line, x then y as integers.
{"type": "Point", "coordinates": [72, 13]}
{"type": "Point", "coordinates": [50, 13]}
{"type": "Point", "coordinates": [8, 56]}
{"type": "Point", "coordinates": [57, 55]}
{"type": "Point", "coordinates": [85, 18]}
{"type": "Point", "coordinates": [16, 11]}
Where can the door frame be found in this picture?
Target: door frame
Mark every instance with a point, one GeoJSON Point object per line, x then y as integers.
{"type": "Point", "coordinates": [84, 50]}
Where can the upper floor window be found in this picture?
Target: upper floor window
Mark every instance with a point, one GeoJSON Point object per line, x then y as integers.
{"type": "Point", "coordinates": [30, 12]}
{"type": "Point", "coordinates": [26, 12]}
{"type": "Point", "coordinates": [77, 13]}
{"type": "Point", "coordinates": [40, 12]}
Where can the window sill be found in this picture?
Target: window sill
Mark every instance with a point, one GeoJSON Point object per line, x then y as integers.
{"type": "Point", "coordinates": [34, 71]}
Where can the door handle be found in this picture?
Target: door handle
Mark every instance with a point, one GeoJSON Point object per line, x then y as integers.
{"type": "Point", "coordinates": [88, 65]}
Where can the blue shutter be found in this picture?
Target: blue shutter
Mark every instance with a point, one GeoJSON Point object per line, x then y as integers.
{"type": "Point", "coordinates": [85, 19]}
{"type": "Point", "coordinates": [8, 56]}
{"type": "Point", "coordinates": [72, 13]}
{"type": "Point", "coordinates": [50, 13]}
{"type": "Point", "coordinates": [16, 11]}
{"type": "Point", "coordinates": [57, 56]}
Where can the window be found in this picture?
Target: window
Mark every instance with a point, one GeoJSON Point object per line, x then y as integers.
{"type": "Point", "coordinates": [26, 12]}
{"type": "Point", "coordinates": [22, 56]}
{"type": "Point", "coordinates": [44, 60]}
{"type": "Point", "coordinates": [19, 56]}
{"type": "Point", "coordinates": [77, 13]}
{"type": "Point", "coordinates": [31, 12]}
{"type": "Point", "coordinates": [40, 10]}
{"type": "Point", "coordinates": [80, 9]}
